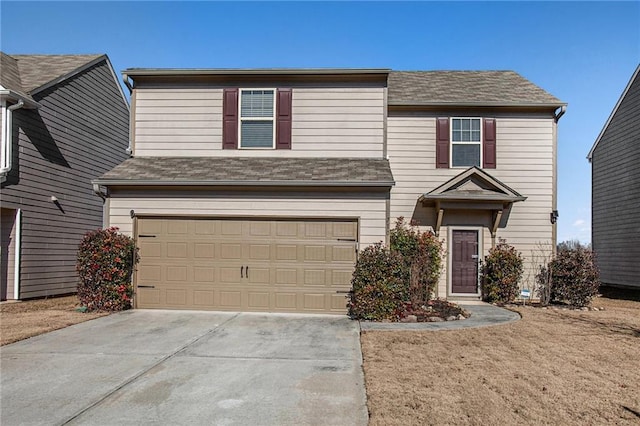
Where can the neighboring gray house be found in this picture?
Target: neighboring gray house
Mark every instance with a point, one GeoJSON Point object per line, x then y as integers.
{"type": "Point", "coordinates": [615, 204]}
{"type": "Point", "coordinates": [64, 122]}
{"type": "Point", "coordinates": [254, 189]}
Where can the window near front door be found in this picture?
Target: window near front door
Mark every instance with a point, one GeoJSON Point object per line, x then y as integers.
{"type": "Point", "coordinates": [257, 118]}
{"type": "Point", "coordinates": [466, 142]}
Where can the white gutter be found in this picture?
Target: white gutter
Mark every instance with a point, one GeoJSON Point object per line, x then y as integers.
{"type": "Point", "coordinates": [7, 137]}
{"type": "Point", "coordinates": [18, 249]}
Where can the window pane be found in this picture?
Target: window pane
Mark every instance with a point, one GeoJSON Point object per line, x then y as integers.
{"type": "Point", "coordinates": [465, 155]}
{"type": "Point", "coordinates": [456, 124]}
{"type": "Point", "coordinates": [466, 124]}
{"type": "Point", "coordinates": [475, 135]}
{"type": "Point", "coordinates": [256, 134]}
{"type": "Point", "coordinates": [466, 136]}
{"type": "Point", "coordinates": [456, 136]}
{"type": "Point", "coordinates": [475, 124]}
{"type": "Point", "coordinates": [256, 103]}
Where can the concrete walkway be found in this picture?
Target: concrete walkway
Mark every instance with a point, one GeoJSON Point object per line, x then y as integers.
{"type": "Point", "coordinates": [482, 315]}
{"type": "Point", "coordinates": [147, 367]}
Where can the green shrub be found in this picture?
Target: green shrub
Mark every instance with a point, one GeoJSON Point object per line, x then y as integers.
{"type": "Point", "coordinates": [385, 280]}
{"type": "Point", "coordinates": [574, 275]}
{"type": "Point", "coordinates": [422, 257]}
{"type": "Point", "coordinates": [379, 286]}
{"type": "Point", "coordinates": [501, 273]}
{"type": "Point", "coordinates": [105, 263]}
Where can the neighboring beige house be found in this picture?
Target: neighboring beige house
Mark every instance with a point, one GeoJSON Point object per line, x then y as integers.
{"type": "Point", "coordinates": [615, 194]}
{"type": "Point", "coordinates": [64, 122]}
{"type": "Point", "coordinates": [254, 189]}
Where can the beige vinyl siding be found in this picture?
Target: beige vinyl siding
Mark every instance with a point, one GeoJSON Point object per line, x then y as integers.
{"type": "Point", "coordinates": [79, 133]}
{"type": "Point", "coordinates": [326, 122]}
{"type": "Point", "coordinates": [370, 210]}
{"type": "Point", "coordinates": [524, 163]}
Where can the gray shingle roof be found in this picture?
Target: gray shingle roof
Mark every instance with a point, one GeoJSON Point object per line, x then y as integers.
{"type": "Point", "coordinates": [9, 74]}
{"type": "Point", "coordinates": [37, 70]}
{"type": "Point", "coordinates": [250, 171]}
{"type": "Point", "coordinates": [490, 88]}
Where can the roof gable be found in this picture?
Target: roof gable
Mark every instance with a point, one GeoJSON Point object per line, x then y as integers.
{"type": "Point", "coordinates": [473, 184]}
{"type": "Point", "coordinates": [463, 88]}
{"type": "Point", "coordinates": [633, 79]}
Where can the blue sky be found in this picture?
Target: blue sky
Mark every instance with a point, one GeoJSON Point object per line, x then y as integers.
{"type": "Point", "coordinates": [582, 52]}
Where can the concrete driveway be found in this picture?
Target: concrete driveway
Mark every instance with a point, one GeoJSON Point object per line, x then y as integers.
{"type": "Point", "coordinates": [197, 368]}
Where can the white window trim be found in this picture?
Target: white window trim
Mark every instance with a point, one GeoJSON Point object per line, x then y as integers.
{"type": "Point", "coordinates": [451, 142]}
{"type": "Point", "coordinates": [480, 231]}
{"type": "Point", "coordinates": [240, 119]}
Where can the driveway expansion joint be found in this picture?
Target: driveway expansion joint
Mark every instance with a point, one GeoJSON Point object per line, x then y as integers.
{"type": "Point", "coordinates": [143, 372]}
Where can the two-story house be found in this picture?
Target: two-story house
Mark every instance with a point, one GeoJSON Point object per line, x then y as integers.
{"type": "Point", "coordinates": [64, 122]}
{"type": "Point", "coordinates": [254, 189]}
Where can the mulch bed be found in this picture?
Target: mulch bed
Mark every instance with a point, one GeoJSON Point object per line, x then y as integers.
{"type": "Point", "coordinates": [433, 311]}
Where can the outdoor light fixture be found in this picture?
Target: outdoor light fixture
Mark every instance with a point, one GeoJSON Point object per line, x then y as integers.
{"type": "Point", "coordinates": [54, 199]}
{"type": "Point", "coordinates": [553, 216]}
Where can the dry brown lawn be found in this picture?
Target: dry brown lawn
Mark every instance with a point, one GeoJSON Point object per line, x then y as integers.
{"type": "Point", "coordinates": [22, 320]}
{"type": "Point", "coordinates": [552, 367]}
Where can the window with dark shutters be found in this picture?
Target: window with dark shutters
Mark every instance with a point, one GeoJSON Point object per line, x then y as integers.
{"type": "Point", "coordinates": [230, 119]}
{"type": "Point", "coordinates": [489, 143]}
{"type": "Point", "coordinates": [253, 132]}
{"type": "Point", "coordinates": [442, 143]}
{"type": "Point", "coordinates": [283, 119]}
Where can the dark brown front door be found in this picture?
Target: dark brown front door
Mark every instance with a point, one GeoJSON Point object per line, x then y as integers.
{"type": "Point", "coordinates": [464, 265]}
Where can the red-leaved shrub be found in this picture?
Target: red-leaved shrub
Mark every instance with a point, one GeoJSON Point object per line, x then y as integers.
{"type": "Point", "coordinates": [105, 262]}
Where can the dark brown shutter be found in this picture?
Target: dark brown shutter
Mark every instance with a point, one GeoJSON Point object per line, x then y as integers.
{"type": "Point", "coordinates": [283, 119]}
{"type": "Point", "coordinates": [442, 143]}
{"type": "Point", "coordinates": [489, 143]}
{"type": "Point", "coordinates": [230, 119]}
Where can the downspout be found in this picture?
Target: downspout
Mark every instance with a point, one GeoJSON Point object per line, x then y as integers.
{"type": "Point", "coordinates": [125, 79]}
{"type": "Point", "coordinates": [7, 137]}
{"type": "Point", "coordinates": [16, 260]}
{"type": "Point", "coordinates": [105, 205]}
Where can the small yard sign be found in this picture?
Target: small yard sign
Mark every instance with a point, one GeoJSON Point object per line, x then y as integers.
{"type": "Point", "coordinates": [526, 293]}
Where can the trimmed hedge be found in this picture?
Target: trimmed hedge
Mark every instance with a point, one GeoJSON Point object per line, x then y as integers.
{"type": "Point", "coordinates": [105, 262]}
{"type": "Point", "coordinates": [501, 273]}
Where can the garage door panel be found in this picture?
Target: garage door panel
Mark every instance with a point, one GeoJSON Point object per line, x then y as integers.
{"type": "Point", "coordinates": [204, 274]}
{"type": "Point", "coordinates": [203, 298]}
{"type": "Point", "coordinates": [245, 265]}
{"type": "Point", "coordinates": [231, 299]}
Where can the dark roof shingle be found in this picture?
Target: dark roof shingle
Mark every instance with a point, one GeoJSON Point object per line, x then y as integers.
{"type": "Point", "coordinates": [250, 171]}
{"type": "Point", "coordinates": [9, 73]}
{"type": "Point", "coordinates": [37, 70]}
{"type": "Point", "coordinates": [489, 88]}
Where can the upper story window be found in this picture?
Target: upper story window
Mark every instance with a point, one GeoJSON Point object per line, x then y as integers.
{"type": "Point", "coordinates": [466, 142]}
{"type": "Point", "coordinates": [257, 118]}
